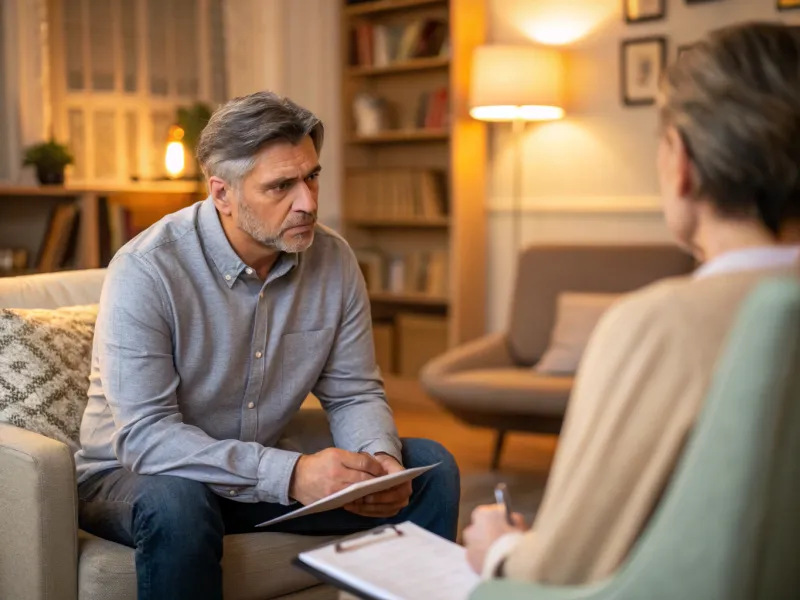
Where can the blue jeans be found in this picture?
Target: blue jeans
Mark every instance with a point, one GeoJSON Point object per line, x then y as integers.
{"type": "Point", "coordinates": [176, 525]}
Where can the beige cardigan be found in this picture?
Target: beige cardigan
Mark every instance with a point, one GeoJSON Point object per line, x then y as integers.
{"type": "Point", "coordinates": [640, 386]}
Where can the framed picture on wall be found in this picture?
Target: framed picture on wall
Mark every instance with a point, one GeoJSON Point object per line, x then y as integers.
{"type": "Point", "coordinates": [637, 11]}
{"type": "Point", "coordinates": [642, 61]}
{"type": "Point", "coordinates": [788, 4]}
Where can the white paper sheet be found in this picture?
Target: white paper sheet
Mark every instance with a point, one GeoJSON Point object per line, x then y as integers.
{"type": "Point", "coordinates": [351, 493]}
{"type": "Point", "coordinates": [416, 565]}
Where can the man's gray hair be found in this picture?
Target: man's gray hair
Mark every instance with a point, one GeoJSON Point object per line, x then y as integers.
{"type": "Point", "coordinates": [734, 97]}
{"type": "Point", "coordinates": [240, 128]}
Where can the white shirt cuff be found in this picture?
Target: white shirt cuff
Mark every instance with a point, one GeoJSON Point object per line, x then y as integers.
{"type": "Point", "coordinates": [498, 552]}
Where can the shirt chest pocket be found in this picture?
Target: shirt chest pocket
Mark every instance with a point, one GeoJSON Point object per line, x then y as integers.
{"type": "Point", "coordinates": [305, 354]}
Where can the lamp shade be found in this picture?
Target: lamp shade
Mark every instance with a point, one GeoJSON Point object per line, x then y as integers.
{"type": "Point", "coordinates": [516, 82]}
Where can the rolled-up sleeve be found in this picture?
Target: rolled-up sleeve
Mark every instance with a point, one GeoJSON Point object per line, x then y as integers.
{"type": "Point", "coordinates": [134, 342]}
{"type": "Point", "coordinates": [350, 387]}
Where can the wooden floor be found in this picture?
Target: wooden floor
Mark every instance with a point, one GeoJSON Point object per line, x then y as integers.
{"type": "Point", "coordinates": [417, 415]}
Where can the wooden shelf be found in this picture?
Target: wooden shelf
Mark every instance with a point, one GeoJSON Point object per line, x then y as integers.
{"type": "Point", "coordinates": [405, 66]}
{"type": "Point", "coordinates": [408, 299]}
{"type": "Point", "coordinates": [381, 6]}
{"type": "Point", "coordinates": [399, 136]}
{"type": "Point", "coordinates": [153, 187]}
{"type": "Point", "coordinates": [432, 223]}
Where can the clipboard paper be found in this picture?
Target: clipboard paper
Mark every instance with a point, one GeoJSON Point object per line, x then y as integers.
{"type": "Point", "coordinates": [395, 562]}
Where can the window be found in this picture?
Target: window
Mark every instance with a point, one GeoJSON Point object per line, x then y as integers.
{"type": "Point", "coordinates": [120, 70]}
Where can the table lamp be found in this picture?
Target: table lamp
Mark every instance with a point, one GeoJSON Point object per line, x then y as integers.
{"type": "Point", "coordinates": [516, 84]}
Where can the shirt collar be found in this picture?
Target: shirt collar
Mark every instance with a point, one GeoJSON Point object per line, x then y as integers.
{"type": "Point", "coordinates": [749, 259]}
{"type": "Point", "coordinates": [216, 243]}
{"type": "Point", "coordinates": [217, 246]}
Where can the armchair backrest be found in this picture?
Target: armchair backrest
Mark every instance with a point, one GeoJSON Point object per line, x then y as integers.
{"type": "Point", "coordinates": [729, 525]}
{"type": "Point", "coordinates": [545, 271]}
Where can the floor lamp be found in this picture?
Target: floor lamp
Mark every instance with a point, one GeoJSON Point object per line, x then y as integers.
{"type": "Point", "coordinates": [516, 84]}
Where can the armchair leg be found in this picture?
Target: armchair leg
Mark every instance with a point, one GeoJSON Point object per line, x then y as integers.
{"type": "Point", "coordinates": [498, 449]}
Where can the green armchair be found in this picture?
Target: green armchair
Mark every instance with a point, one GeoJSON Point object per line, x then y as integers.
{"type": "Point", "coordinates": [728, 527]}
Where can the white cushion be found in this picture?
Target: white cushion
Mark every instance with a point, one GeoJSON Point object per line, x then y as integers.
{"type": "Point", "coordinates": [577, 315]}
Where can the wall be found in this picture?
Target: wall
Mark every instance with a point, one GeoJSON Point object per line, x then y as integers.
{"type": "Point", "coordinates": [292, 47]}
{"type": "Point", "coordinates": [590, 178]}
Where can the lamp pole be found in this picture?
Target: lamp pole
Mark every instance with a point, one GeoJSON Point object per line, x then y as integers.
{"type": "Point", "coordinates": [518, 130]}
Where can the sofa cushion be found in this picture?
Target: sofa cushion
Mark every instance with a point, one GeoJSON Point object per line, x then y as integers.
{"type": "Point", "coordinates": [255, 566]}
{"type": "Point", "coordinates": [45, 358]}
{"type": "Point", "coordinates": [515, 390]}
{"type": "Point", "coordinates": [577, 314]}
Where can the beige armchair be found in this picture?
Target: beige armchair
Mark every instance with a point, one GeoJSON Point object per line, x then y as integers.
{"type": "Point", "coordinates": [490, 382]}
{"type": "Point", "coordinates": [44, 554]}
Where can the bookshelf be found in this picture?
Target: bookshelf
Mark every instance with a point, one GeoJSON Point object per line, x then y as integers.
{"type": "Point", "coordinates": [53, 228]}
{"type": "Point", "coordinates": [414, 185]}
{"type": "Point", "coordinates": [404, 66]}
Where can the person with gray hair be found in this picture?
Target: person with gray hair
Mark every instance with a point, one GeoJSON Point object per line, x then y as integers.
{"type": "Point", "coordinates": [214, 326]}
{"type": "Point", "coordinates": [729, 171]}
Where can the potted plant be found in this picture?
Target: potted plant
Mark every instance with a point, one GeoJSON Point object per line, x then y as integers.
{"type": "Point", "coordinates": [50, 159]}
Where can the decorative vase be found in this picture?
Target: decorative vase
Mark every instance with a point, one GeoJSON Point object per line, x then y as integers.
{"type": "Point", "coordinates": [50, 176]}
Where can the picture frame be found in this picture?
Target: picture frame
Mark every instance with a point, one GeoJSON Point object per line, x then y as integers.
{"type": "Point", "coordinates": [640, 11]}
{"type": "Point", "coordinates": [642, 61]}
{"type": "Point", "coordinates": [787, 4]}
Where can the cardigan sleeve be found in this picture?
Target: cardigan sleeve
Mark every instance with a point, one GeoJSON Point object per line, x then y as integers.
{"type": "Point", "coordinates": [633, 403]}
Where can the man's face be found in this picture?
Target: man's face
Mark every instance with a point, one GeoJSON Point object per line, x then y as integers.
{"type": "Point", "coordinates": [277, 201]}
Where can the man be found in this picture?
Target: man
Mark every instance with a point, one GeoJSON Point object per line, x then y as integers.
{"type": "Point", "coordinates": [214, 325]}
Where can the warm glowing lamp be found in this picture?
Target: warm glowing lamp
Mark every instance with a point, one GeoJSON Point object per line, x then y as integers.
{"type": "Point", "coordinates": [174, 160]}
{"type": "Point", "coordinates": [517, 84]}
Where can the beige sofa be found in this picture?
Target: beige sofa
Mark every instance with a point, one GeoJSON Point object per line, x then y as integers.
{"type": "Point", "coordinates": [44, 555]}
{"type": "Point", "coordinates": [491, 383]}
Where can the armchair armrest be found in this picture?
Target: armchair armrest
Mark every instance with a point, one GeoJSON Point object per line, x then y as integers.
{"type": "Point", "coordinates": [38, 517]}
{"type": "Point", "coordinates": [488, 352]}
{"type": "Point", "coordinates": [516, 590]}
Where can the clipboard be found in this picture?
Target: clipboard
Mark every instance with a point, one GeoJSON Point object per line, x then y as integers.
{"type": "Point", "coordinates": [350, 543]}
{"type": "Point", "coordinates": [441, 564]}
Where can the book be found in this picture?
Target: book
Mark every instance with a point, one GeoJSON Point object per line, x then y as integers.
{"type": "Point", "coordinates": [396, 562]}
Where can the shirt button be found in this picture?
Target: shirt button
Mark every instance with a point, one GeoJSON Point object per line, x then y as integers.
{"type": "Point", "coordinates": [258, 355]}
{"type": "Point", "coordinates": [249, 271]}
{"type": "Point", "coordinates": [232, 493]}
{"type": "Point", "coordinates": [261, 295]}
{"type": "Point", "coordinates": [251, 405]}
{"type": "Point", "coordinates": [227, 277]}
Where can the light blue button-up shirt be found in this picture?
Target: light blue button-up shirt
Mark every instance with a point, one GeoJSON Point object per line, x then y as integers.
{"type": "Point", "coordinates": [198, 365]}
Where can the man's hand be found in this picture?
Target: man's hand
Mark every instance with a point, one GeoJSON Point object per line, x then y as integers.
{"type": "Point", "coordinates": [488, 525]}
{"type": "Point", "coordinates": [329, 471]}
{"type": "Point", "coordinates": [387, 503]}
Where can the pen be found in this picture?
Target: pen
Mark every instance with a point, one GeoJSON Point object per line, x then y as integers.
{"type": "Point", "coordinates": [502, 496]}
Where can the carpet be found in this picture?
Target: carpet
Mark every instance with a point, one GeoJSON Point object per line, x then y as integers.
{"type": "Point", "coordinates": [525, 491]}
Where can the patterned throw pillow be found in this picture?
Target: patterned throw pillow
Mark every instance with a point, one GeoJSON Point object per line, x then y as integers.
{"type": "Point", "coordinates": [45, 357]}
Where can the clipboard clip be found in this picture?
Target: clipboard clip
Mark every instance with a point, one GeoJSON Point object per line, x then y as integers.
{"type": "Point", "coordinates": [373, 536]}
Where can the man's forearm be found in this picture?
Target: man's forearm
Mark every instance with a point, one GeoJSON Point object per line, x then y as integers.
{"type": "Point", "coordinates": [243, 471]}
{"type": "Point", "coordinates": [364, 424]}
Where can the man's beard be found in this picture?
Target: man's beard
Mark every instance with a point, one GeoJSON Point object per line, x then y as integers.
{"type": "Point", "coordinates": [247, 222]}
